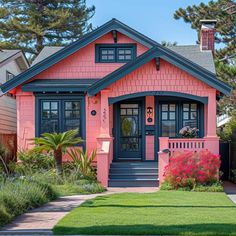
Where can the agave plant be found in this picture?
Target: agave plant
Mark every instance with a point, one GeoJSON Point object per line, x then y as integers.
{"type": "Point", "coordinates": [83, 161]}
{"type": "Point", "coordinates": [58, 143]}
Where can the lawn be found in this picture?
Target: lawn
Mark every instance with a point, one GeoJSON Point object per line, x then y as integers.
{"type": "Point", "coordinates": [163, 212]}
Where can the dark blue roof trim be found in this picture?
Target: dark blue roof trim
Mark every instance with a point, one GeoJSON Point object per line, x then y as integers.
{"type": "Point", "coordinates": [113, 100]}
{"type": "Point", "coordinates": [73, 47]}
{"type": "Point", "coordinates": [168, 55]}
{"type": "Point", "coordinates": [59, 85]}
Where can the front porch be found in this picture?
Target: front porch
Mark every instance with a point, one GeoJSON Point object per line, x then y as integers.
{"type": "Point", "coordinates": [139, 126]}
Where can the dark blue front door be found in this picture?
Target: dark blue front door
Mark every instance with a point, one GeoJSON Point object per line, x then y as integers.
{"type": "Point", "coordinates": [129, 131]}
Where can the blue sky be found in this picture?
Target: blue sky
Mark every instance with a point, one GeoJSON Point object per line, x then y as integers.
{"type": "Point", "coordinates": [153, 18]}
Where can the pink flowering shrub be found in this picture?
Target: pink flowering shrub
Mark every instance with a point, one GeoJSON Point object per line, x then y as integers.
{"type": "Point", "coordinates": [188, 169]}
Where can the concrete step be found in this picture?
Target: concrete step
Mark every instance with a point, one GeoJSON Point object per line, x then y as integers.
{"type": "Point", "coordinates": [133, 170]}
{"type": "Point", "coordinates": [133, 176]}
{"type": "Point", "coordinates": [133, 183]}
{"type": "Point", "coordinates": [134, 165]}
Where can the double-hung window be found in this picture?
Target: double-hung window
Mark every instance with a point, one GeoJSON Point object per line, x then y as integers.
{"type": "Point", "coordinates": [60, 114]}
{"type": "Point", "coordinates": [111, 53]}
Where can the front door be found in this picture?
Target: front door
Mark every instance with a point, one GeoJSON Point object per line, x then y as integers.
{"type": "Point", "coordinates": [129, 131]}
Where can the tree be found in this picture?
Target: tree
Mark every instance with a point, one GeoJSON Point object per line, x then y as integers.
{"type": "Point", "coordinates": [58, 143]}
{"type": "Point", "coordinates": [224, 11]}
{"type": "Point", "coordinates": [32, 24]}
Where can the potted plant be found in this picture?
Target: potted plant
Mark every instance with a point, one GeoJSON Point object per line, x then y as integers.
{"type": "Point", "coordinates": [188, 132]}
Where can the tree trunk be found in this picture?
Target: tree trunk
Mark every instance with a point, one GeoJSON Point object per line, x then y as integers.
{"type": "Point", "coordinates": [58, 159]}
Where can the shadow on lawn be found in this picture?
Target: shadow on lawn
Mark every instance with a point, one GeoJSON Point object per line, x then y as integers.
{"type": "Point", "coordinates": [90, 205]}
{"type": "Point", "coordinates": [148, 229]}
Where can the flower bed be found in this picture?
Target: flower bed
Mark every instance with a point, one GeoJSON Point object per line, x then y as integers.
{"type": "Point", "coordinates": [190, 170]}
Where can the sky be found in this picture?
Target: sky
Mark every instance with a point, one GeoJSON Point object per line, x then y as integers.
{"type": "Point", "coordinates": [154, 18]}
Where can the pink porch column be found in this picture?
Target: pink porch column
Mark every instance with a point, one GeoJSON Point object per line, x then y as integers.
{"type": "Point", "coordinates": [211, 139]}
{"type": "Point", "coordinates": [104, 141]}
{"type": "Point", "coordinates": [163, 158]}
{"type": "Point", "coordinates": [103, 163]}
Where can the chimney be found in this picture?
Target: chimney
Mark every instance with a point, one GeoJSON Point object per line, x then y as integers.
{"type": "Point", "coordinates": [207, 35]}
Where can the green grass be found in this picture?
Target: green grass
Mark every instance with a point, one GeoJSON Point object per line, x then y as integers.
{"type": "Point", "coordinates": [163, 212]}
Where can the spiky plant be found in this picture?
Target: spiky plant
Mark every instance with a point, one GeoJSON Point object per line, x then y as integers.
{"type": "Point", "coordinates": [57, 143]}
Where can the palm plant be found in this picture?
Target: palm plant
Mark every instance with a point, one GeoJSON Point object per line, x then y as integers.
{"type": "Point", "coordinates": [83, 161]}
{"type": "Point", "coordinates": [57, 143]}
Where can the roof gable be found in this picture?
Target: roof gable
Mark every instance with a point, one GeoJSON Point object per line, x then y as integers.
{"type": "Point", "coordinates": [166, 54]}
{"type": "Point", "coordinates": [73, 47]}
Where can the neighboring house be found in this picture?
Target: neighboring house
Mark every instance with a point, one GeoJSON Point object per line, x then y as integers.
{"type": "Point", "coordinates": [12, 63]}
{"type": "Point", "coordinates": [128, 95]}
{"type": "Point", "coordinates": [222, 120]}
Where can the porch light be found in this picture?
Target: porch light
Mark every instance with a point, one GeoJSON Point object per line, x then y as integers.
{"type": "Point", "coordinates": [149, 112]}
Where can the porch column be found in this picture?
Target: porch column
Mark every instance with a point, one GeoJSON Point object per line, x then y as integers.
{"type": "Point", "coordinates": [104, 142]}
{"type": "Point", "coordinates": [163, 158]}
{"type": "Point", "coordinates": [104, 128]}
{"type": "Point", "coordinates": [211, 139]}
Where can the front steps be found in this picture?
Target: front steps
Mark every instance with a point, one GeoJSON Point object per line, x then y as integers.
{"type": "Point", "coordinates": [133, 174]}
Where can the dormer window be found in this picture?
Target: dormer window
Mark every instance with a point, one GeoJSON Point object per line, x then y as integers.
{"type": "Point", "coordinates": [115, 53]}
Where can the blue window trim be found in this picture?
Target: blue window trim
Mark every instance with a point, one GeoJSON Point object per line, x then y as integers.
{"type": "Point", "coordinates": [115, 47]}
{"type": "Point", "coordinates": [61, 98]}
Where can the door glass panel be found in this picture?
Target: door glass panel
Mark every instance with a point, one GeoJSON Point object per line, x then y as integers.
{"type": "Point", "coordinates": [129, 126]}
{"type": "Point", "coordinates": [129, 130]}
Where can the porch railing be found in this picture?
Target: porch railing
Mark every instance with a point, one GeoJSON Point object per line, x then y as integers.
{"type": "Point", "coordinates": [180, 144]}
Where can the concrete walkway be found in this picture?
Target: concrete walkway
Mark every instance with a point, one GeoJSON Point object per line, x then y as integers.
{"type": "Point", "coordinates": [230, 190]}
{"type": "Point", "coordinates": [40, 221]}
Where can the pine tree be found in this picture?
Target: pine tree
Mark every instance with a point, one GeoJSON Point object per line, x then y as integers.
{"type": "Point", "coordinates": [224, 11]}
{"type": "Point", "coordinates": [32, 24]}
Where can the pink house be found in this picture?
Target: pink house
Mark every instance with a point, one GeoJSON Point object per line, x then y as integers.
{"type": "Point", "coordinates": [128, 95]}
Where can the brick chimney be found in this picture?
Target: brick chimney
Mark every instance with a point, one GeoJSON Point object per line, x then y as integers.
{"type": "Point", "coordinates": [207, 35]}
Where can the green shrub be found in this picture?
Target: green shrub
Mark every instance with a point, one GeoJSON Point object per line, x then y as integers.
{"type": "Point", "coordinates": [214, 187]}
{"type": "Point", "coordinates": [32, 161]}
{"type": "Point", "coordinates": [233, 176]}
{"type": "Point", "coordinates": [82, 162]}
{"type": "Point", "coordinates": [19, 195]}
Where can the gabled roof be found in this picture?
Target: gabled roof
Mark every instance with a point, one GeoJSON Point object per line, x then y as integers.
{"type": "Point", "coordinates": [73, 47]}
{"type": "Point", "coordinates": [7, 55]}
{"type": "Point", "coordinates": [195, 54]}
{"type": "Point", "coordinates": [168, 55]}
{"type": "Point", "coordinates": [46, 52]}
{"type": "Point", "coordinates": [155, 50]}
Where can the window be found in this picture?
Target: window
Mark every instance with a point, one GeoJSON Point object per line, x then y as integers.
{"type": "Point", "coordinates": [59, 115]}
{"type": "Point", "coordinates": [9, 75]}
{"type": "Point", "coordinates": [190, 116]}
{"type": "Point", "coordinates": [72, 115]}
{"type": "Point", "coordinates": [115, 52]}
{"type": "Point", "coordinates": [49, 117]}
{"type": "Point", "coordinates": [168, 120]}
